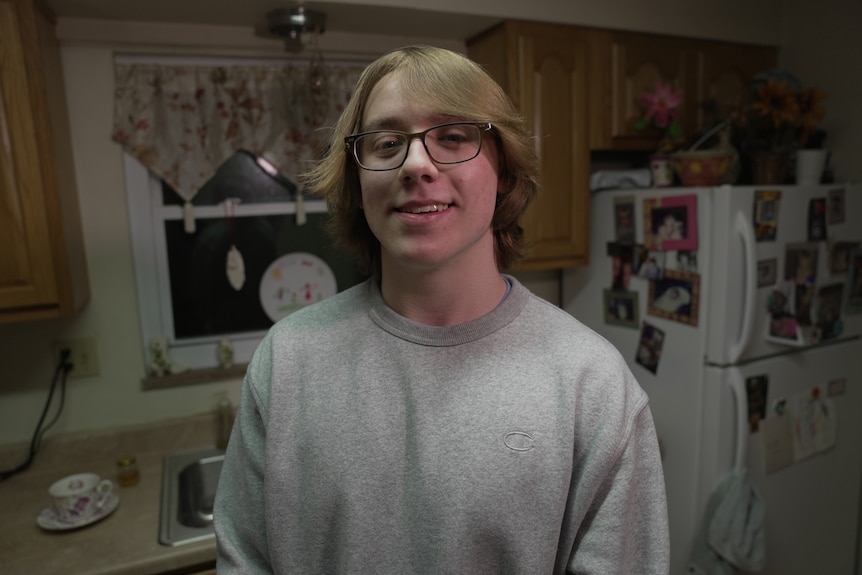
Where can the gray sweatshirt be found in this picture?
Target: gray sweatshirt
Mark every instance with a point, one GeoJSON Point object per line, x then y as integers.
{"type": "Point", "coordinates": [366, 443]}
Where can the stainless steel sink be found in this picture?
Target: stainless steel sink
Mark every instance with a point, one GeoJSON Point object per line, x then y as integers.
{"type": "Point", "coordinates": [189, 481]}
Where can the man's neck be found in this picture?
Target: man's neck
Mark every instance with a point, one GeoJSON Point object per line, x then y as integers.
{"type": "Point", "coordinates": [443, 297]}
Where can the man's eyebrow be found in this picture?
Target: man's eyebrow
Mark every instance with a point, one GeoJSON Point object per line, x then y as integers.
{"type": "Point", "coordinates": [394, 123]}
{"type": "Point", "coordinates": [388, 123]}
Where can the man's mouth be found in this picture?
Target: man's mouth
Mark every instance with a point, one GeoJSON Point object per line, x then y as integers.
{"type": "Point", "coordinates": [423, 209]}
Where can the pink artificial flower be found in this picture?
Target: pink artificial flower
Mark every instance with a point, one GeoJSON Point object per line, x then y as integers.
{"type": "Point", "coordinates": [662, 105]}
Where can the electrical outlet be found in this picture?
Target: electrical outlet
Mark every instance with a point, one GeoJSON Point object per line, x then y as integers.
{"type": "Point", "coordinates": [84, 356]}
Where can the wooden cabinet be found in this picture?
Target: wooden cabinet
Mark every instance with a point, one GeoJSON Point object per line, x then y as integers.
{"type": "Point", "coordinates": [543, 68]}
{"type": "Point", "coordinates": [624, 65]}
{"type": "Point", "coordinates": [721, 73]}
{"type": "Point", "coordinates": [579, 87]}
{"type": "Point", "coordinates": [42, 260]}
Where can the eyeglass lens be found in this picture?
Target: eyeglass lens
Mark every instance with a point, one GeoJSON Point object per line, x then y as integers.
{"type": "Point", "coordinates": [447, 144]}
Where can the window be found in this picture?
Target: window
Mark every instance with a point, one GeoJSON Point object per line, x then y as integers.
{"type": "Point", "coordinates": [184, 294]}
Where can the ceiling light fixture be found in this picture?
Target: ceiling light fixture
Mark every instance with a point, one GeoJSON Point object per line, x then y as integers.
{"type": "Point", "coordinates": [291, 23]}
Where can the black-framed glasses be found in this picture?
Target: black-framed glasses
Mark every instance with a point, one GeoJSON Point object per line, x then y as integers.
{"type": "Point", "coordinates": [451, 143]}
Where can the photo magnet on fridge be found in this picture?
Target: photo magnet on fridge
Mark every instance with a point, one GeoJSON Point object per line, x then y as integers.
{"type": "Point", "coordinates": [621, 308]}
{"type": "Point", "coordinates": [827, 312]}
{"type": "Point", "coordinates": [853, 303]}
{"type": "Point", "coordinates": [836, 205]}
{"type": "Point", "coordinates": [817, 219]}
{"type": "Point", "coordinates": [675, 296]}
{"type": "Point", "coordinates": [670, 223]}
{"type": "Point", "coordinates": [622, 256]}
{"type": "Point", "coordinates": [837, 387]}
{"type": "Point", "coordinates": [782, 326]}
{"type": "Point", "coordinates": [767, 272]}
{"type": "Point", "coordinates": [649, 347]}
{"type": "Point", "coordinates": [766, 204]}
{"type": "Point", "coordinates": [756, 388]}
{"type": "Point", "coordinates": [686, 261]}
{"type": "Point", "coordinates": [648, 264]}
{"type": "Point", "coordinates": [839, 256]}
{"type": "Point", "coordinates": [624, 219]}
{"type": "Point", "coordinates": [800, 270]}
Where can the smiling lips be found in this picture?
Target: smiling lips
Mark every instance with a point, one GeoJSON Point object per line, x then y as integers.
{"type": "Point", "coordinates": [424, 209]}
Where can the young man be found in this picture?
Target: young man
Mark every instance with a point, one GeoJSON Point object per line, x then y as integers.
{"type": "Point", "coordinates": [438, 418]}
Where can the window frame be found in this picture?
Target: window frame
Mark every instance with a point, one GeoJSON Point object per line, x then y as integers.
{"type": "Point", "coordinates": [147, 215]}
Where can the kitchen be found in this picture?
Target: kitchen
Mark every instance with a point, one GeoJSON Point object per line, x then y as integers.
{"type": "Point", "coordinates": [809, 38]}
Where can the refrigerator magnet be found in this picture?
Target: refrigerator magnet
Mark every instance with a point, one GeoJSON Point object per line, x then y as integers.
{"type": "Point", "coordinates": [835, 200]}
{"type": "Point", "coordinates": [675, 296]}
{"type": "Point", "coordinates": [624, 219]}
{"type": "Point", "coordinates": [839, 256]}
{"type": "Point", "coordinates": [756, 388]}
{"type": "Point", "coordinates": [622, 257]}
{"type": "Point", "coordinates": [853, 304]}
{"type": "Point", "coordinates": [621, 308]}
{"type": "Point", "coordinates": [782, 326]}
{"type": "Point", "coordinates": [686, 261]}
{"type": "Point", "coordinates": [827, 312]}
{"type": "Point", "coordinates": [670, 223]}
{"type": "Point", "coordinates": [837, 387]}
{"type": "Point", "coordinates": [800, 270]}
{"type": "Point", "coordinates": [817, 219]}
{"type": "Point", "coordinates": [767, 272]}
{"type": "Point", "coordinates": [649, 347]}
{"type": "Point", "coordinates": [766, 204]}
{"type": "Point", "coordinates": [648, 264]}
{"type": "Point", "coordinates": [800, 263]}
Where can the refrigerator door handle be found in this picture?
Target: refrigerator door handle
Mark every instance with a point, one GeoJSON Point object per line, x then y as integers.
{"type": "Point", "coordinates": [738, 389]}
{"type": "Point", "coordinates": [743, 228]}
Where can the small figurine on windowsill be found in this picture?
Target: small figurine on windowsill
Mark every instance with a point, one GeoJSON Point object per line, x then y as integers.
{"type": "Point", "coordinates": [224, 352]}
{"type": "Point", "coordinates": [160, 363]}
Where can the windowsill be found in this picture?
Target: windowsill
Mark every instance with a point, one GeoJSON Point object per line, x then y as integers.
{"type": "Point", "coordinates": [194, 377]}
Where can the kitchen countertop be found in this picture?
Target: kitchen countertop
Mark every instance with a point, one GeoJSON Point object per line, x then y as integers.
{"type": "Point", "coordinates": [126, 541]}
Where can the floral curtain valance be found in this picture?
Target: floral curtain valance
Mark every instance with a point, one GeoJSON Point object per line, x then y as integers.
{"type": "Point", "coordinates": [182, 122]}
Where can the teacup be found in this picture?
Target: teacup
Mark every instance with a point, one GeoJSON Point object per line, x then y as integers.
{"type": "Point", "coordinates": [78, 497]}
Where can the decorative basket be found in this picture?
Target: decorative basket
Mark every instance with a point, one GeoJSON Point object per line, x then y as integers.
{"type": "Point", "coordinates": [703, 167]}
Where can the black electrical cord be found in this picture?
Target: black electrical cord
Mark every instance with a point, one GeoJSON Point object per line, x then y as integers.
{"type": "Point", "coordinates": [60, 373]}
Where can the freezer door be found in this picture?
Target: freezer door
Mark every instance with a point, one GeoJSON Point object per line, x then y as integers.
{"type": "Point", "coordinates": [811, 485]}
{"type": "Point", "coordinates": [780, 269]}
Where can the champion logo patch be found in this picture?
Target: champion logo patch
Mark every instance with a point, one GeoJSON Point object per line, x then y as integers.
{"type": "Point", "coordinates": [519, 441]}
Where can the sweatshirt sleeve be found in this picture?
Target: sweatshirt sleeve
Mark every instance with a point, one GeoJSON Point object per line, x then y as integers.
{"type": "Point", "coordinates": [239, 510]}
{"type": "Point", "coordinates": [626, 529]}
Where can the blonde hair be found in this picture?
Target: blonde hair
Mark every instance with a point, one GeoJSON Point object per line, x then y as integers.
{"type": "Point", "coordinates": [450, 84]}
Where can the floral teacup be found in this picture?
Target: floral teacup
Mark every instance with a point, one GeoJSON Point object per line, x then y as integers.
{"type": "Point", "coordinates": [78, 497]}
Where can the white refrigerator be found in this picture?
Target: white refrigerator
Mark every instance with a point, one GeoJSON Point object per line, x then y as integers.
{"type": "Point", "coordinates": [739, 310]}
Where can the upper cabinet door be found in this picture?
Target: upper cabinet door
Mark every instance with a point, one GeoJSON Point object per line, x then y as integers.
{"type": "Point", "coordinates": [43, 270]}
{"type": "Point", "coordinates": [721, 75]}
{"type": "Point", "coordinates": [26, 274]}
{"type": "Point", "coordinates": [553, 95]}
{"type": "Point", "coordinates": [543, 68]}
{"type": "Point", "coordinates": [624, 66]}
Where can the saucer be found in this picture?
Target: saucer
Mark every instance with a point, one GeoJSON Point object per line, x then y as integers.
{"type": "Point", "coordinates": [48, 519]}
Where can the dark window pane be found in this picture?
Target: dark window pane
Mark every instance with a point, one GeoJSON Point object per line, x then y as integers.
{"type": "Point", "coordinates": [204, 303]}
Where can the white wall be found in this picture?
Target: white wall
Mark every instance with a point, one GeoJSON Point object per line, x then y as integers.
{"type": "Point", "coordinates": [115, 397]}
{"type": "Point", "coordinates": [821, 45]}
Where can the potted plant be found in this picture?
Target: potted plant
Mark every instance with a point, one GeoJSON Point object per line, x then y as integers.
{"type": "Point", "coordinates": [782, 118]}
{"type": "Point", "coordinates": [661, 112]}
